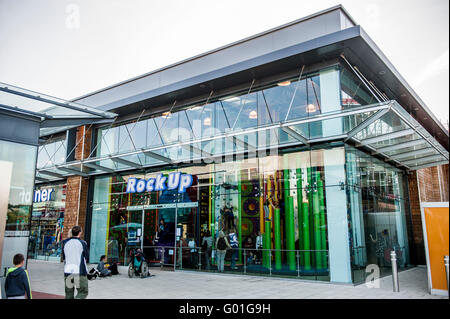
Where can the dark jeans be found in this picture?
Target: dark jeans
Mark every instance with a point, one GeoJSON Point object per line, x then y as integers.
{"type": "Point", "coordinates": [208, 253]}
{"type": "Point", "coordinates": [76, 281]}
{"type": "Point", "coordinates": [234, 256]}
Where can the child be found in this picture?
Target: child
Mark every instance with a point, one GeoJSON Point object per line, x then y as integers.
{"type": "Point", "coordinates": [17, 283]}
{"type": "Point", "coordinates": [101, 267]}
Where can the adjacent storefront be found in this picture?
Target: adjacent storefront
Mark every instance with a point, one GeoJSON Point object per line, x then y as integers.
{"type": "Point", "coordinates": [47, 222]}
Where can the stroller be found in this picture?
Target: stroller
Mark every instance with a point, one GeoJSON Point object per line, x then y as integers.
{"type": "Point", "coordinates": [138, 265]}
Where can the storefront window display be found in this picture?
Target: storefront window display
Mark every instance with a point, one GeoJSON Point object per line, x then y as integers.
{"type": "Point", "coordinates": [281, 198]}
{"type": "Point", "coordinates": [21, 159]}
{"type": "Point", "coordinates": [47, 222]}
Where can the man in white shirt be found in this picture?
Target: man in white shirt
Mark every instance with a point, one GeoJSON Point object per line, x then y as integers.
{"type": "Point", "coordinates": [74, 254]}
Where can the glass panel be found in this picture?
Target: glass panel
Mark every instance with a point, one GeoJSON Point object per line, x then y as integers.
{"type": "Point", "coordinates": [47, 224]}
{"type": "Point", "coordinates": [388, 123]}
{"type": "Point", "coordinates": [378, 224]}
{"type": "Point", "coordinates": [353, 91]}
{"type": "Point", "coordinates": [52, 153]}
{"type": "Point", "coordinates": [22, 158]}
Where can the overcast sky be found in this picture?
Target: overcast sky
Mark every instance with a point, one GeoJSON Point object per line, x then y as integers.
{"type": "Point", "coordinates": [44, 47]}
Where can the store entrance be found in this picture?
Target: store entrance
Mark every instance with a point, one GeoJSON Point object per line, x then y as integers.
{"type": "Point", "coordinates": [157, 229]}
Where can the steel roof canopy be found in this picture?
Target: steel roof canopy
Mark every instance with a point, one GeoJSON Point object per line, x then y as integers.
{"type": "Point", "coordinates": [353, 42]}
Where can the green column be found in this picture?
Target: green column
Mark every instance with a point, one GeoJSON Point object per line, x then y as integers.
{"type": "Point", "coordinates": [213, 212]}
{"type": "Point", "coordinates": [277, 238]}
{"type": "Point", "coordinates": [299, 211]}
{"type": "Point", "coordinates": [323, 233]}
{"type": "Point", "coordinates": [290, 236]}
{"type": "Point", "coordinates": [306, 241]}
{"type": "Point", "coordinates": [239, 212]}
{"type": "Point", "coordinates": [310, 214]}
{"type": "Point", "coordinates": [316, 217]}
{"type": "Point", "coordinates": [267, 242]}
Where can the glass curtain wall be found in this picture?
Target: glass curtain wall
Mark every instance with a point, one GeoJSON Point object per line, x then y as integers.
{"type": "Point", "coordinates": [276, 205]}
{"type": "Point", "coordinates": [377, 213]}
{"type": "Point", "coordinates": [52, 152]}
{"type": "Point", "coordinates": [327, 91]}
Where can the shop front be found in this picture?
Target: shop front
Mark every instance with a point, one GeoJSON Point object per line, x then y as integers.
{"type": "Point", "coordinates": [47, 222]}
{"type": "Point", "coordinates": [298, 202]}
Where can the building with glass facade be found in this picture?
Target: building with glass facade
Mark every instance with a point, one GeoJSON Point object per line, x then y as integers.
{"type": "Point", "coordinates": [300, 140]}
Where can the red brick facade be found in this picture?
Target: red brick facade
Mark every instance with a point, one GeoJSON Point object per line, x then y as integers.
{"type": "Point", "coordinates": [425, 185]}
{"type": "Point", "coordinates": [77, 186]}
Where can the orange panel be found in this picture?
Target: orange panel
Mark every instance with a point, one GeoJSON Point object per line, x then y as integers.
{"type": "Point", "coordinates": [436, 220]}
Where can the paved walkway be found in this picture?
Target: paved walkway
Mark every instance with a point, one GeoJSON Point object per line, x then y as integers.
{"type": "Point", "coordinates": [47, 277]}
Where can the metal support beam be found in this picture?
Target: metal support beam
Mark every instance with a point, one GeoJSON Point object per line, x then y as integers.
{"type": "Point", "coordinates": [73, 171]}
{"type": "Point", "coordinates": [51, 174]}
{"type": "Point", "coordinates": [424, 159]}
{"type": "Point", "coordinates": [399, 146]}
{"type": "Point", "coordinates": [158, 157]}
{"type": "Point", "coordinates": [194, 149]}
{"type": "Point", "coordinates": [366, 123]}
{"type": "Point", "coordinates": [414, 168]}
{"type": "Point", "coordinates": [68, 105]}
{"type": "Point", "coordinates": [99, 167]}
{"type": "Point", "coordinates": [125, 162]}
{"type": "Point", "coordinates": [40, 179]}
{"type": "Point", "coordinates": [295, 134]}
{"type": "Point", "coordinates": [423, 151]}
{"type": "Point", "coordinates": [388, 136]}
{"type": "Point", "coordinates": [242, 143]}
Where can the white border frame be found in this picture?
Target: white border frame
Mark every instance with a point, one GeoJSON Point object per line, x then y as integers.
{"type": "Point", "coordinates": [425, 237]}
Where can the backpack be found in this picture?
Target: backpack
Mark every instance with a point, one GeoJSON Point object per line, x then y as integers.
{"type": "Point", "coordinates": [93, 274]}
{"type": "Point", "coordinates": [221, 244]}
{"type": "Point", "coordinates": [113, 269]}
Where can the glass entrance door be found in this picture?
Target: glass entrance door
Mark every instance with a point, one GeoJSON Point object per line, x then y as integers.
{"type": "Point", "coordinates": [157, 229]}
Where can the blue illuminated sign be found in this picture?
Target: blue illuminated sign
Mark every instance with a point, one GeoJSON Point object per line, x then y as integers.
{"type": "Point", "coordinates": [43, 195]}
{"type": "Point", "coordinates": [175, 180]}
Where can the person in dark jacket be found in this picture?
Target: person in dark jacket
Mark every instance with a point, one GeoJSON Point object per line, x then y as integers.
{"type": "Point", "coordinates": [17, 283]}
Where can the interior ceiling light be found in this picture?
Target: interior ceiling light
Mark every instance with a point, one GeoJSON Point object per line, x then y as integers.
{"type": "Point", "coordinates": [253, 115]}
{"type": "Point", "coordinates": [166, 114]}
{"type": "Point", "coordinates": [310, 108]}
{"type": "Point", "coordinates": [207, 121]}
{"type": "Point", "coordinates": [284, 83]}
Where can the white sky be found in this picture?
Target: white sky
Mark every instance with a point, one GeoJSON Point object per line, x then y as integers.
{"type": "Point", "coordinates": [42, 49]}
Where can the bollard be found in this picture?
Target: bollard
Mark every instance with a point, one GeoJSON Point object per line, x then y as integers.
{"type": "Point", "coordinates": [446, 272]}
{"type": "Point", "coordinates": [395, 284]}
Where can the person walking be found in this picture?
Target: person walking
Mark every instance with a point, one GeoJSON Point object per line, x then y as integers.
{"type": "Point", "coordinates": [207, 248]}
{"type": "Point", "coordinates": [17, 282]}
{"type": "Point", "coordinates": [234, 245]}
{"type": "Point", "coordinates": [222, 245]}
{"type": "Point", "coordinates": [75, 254]}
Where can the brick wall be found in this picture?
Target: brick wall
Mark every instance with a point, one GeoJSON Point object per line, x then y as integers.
{"type": "Point", "coordinates": [77, 186]}
{"type": "Point", "coordinates": [425, 185]}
